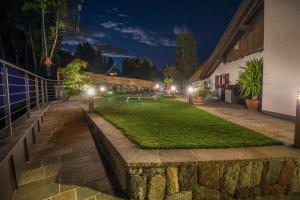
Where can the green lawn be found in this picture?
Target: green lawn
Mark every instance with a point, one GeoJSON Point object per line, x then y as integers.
{"type": "Point", "coordinates": [169, 123]}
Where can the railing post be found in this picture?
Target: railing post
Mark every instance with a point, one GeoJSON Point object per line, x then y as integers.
{"type": "Point", "coordinates": [46, 89]}
{"type": "Point", "coordinates": [27, 93]}
{"type": "Point", "coordinates": [43, 94]}
{"type": "Point", "coordinates": [37, 97]}
{"type": "Point", "coordinates": [7, 112]}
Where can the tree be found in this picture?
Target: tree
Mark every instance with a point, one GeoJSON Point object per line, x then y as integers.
{"type": "Point", "coordinates": [170, 72]}
{"type": "Point", "coordinates": [96, 62]}
{"type": "Point", "coordinates": [141, 67]}
{"type": "Point", "coordinates": [75, 77]}
{"type": "Point", "coordinates": [186, 55]}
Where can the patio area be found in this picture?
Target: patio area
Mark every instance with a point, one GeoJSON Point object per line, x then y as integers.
{"type": "Point", "coordinates": [64, 162]}
{"type": "Point", "coordinates": [280, 129]}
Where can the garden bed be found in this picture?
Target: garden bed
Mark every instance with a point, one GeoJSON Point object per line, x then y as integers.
{"type": "Point", "coordinates": [168, 123]}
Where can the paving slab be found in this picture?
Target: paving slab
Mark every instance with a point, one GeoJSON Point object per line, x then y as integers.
{"type": "Point", "coordinates": [65, 164]}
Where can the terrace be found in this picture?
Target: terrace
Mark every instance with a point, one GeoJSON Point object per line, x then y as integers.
{"type": "Point", "coordinates": [138, 149]}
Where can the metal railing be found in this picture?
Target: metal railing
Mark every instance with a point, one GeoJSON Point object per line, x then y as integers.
{"type": "Point", "coordinates": [23, 92]}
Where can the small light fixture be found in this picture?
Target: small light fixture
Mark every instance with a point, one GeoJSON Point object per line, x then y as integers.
{"type": "Point", "coordinates": [190, 89]}
{"type": "Point", "coordinates": [90, 91]}
{"type": "Point", "coordinates": [156, 86]}
{"type": "Point", "coordinates": [173, 88]}
{"type": "Point", "coordinates": [102, 89]}
{"type": "Point", "coordinates": [298, 95]}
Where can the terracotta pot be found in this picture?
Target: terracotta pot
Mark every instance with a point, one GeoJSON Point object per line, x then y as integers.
{"type": "Point", "coordinates": [199, 100]}
{"type": "Point", "coordinates": [252, 104]}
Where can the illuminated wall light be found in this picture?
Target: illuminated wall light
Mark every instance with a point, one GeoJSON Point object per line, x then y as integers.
{"type": "Point", "coordinates": [90, 91]}
{"type": "Point", "coordinates": [190, 89]}
{"type": "Point", "coordinates": [173, 88]}
{"type": "Point", "coordinates": [102, 89]}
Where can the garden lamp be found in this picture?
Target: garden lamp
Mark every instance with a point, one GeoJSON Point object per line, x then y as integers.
{"type": "Point", "coordinates": [173, 88]}
{"type": "Point", "coordinates": [91, 92]}
{"type": "Point", "coordinates": [102, 89]}
{"type": "Point", "coordinates": [157, 86]}
{"type": "Point", "coordinates": [297, 122]}
{"type": "Point", "coordinates": [190, 93]}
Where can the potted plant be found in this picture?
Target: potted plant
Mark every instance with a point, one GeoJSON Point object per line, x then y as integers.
{"type": "Point", "coordinates": [202, 93]}
{"type": "Point", "coordinates": [251, 83]}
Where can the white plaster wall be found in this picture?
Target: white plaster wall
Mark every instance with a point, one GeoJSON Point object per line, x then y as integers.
{"type": "Point", "coordinates": [233, 68]}
{"type": "Point", "coordinates": [281, 56]}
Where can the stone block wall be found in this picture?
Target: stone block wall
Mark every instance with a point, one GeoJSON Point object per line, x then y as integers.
{"type": "Point", "coordinates": [242, 179]}
{"type": "Point", "coordinates": [215, 180]}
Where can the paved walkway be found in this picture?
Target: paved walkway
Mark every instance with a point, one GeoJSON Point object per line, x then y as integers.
{"type": "Point", "coordinates": [64, 163]}
{"type": "Point", "coordinates": [280, 129]}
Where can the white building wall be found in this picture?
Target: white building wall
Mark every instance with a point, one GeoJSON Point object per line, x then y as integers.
{"type": "Point", "coordinates": [233, 68]}
{"type": "Point", "coordinates": [281, 78]}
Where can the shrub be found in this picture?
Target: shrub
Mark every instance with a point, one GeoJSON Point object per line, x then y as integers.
{"type": "Point", "coordinates": [251, 79]}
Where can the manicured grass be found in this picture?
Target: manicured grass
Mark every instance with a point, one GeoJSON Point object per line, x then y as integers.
{"type": "Point", "coordinates": [169, 123]}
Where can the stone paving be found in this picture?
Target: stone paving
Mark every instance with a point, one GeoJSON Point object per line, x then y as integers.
{"type": "Point", "coordinates": [280, 129]}
{"type": "Point", "coordinates": [64, 163]}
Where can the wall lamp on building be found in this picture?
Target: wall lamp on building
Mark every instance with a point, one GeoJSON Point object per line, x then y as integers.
{"type": "Point", "coordinates": [190, 91]}
{"type": "Point", "coordinates": [102, 89]}
{"type": "Point", "coordinates": [91, 92]}
{"type": "Point", "coordinates": [297, 122]}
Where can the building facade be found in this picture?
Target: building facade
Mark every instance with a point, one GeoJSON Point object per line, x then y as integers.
{"type": "Point", "coordinates": [268, 29]}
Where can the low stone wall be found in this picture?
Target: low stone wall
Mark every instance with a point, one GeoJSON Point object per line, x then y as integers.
{"type": "Point", "coordinates": [242, 179]}
{"type": "Point", "coordinates": [196, 174]}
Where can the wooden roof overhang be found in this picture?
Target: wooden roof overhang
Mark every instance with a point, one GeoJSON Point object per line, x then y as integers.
{"type": "Point", "coordinates": [237, 25]}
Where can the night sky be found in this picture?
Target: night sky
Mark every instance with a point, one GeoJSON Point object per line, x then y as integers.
{"type": "Point", "coordinates": [148, 28]}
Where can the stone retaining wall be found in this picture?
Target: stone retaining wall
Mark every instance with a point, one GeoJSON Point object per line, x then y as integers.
{"type": "Point", "coordinates": [242, 179]}
{"type": "Point", "coordinates": [212, 179]}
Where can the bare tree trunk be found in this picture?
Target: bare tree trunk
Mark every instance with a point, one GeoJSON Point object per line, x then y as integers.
{"type": "Point", "coordinates": [56, 34]}
{"type": "Point", "coordinates": [33, 51]}
{"type": "Point", "coordinates": [44, 30]}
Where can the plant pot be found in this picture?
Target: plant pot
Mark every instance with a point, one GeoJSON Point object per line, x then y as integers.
{"type": "Point", "coordinates": [199, 100]}
{"type": "Point", "coordinates": [252, 104]}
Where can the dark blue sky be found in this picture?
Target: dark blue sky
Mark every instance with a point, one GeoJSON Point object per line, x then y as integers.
{"type": "Point", "coordinates": [148, 28]}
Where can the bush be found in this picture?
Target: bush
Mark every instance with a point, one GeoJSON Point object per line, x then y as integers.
{"type": "Point", "coordinates": [74, 77]}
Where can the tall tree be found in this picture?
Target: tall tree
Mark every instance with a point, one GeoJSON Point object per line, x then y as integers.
{"type": "Point", "coordinates": [186, 54]}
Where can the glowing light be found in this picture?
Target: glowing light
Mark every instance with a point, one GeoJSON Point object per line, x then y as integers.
{"type": "Point", "coordinates": [156, 86]}
{"type": "Point", "coordinates": [90, 91]}
{"type": "Point", "coordinates": [190, 89]}
{"type": "Point", "coordinates": [298, 95]}
{"type": "Point", "coordinates": [173, 88]}
{"type": "Point", "coordinates": [102, 89]}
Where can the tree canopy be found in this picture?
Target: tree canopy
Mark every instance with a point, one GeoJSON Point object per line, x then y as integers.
{"type": "Point", "coordinates": [186, 54]}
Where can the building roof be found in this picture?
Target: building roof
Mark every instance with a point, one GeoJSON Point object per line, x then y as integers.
{"type": "Point", "coordinates": [236, 25]}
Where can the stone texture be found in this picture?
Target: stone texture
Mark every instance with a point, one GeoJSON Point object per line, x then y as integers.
{"type": "Point", "coordinates": [138, 187]}
{"type": "Point", "coordinates": [204, 193]}
{"type": "Point", "coordinates": [188, 177]}
{"type": "Point", "coordinates": [274, 190]}
{"type": "Point", "coordinates": [247, 193]}
{"type": "Point", "coordinates": [257, 168]}
{"type": "Point", "coordinates": [272, 172]}
{"type": "Point", "coordinates": [208, 173]}
{"type": "Point", "coordinates": [295, 182]}
{"type": "Point", "coordinates": [70, 195]}
{"type": "Point", "coordinates": [84, 192]}
{"type": "Point", "coordinates": [185, 195]}
{"type": "Point", "coordinates": [156, 187]}
{"type": "Point", "coordinates": [172, 180]}
{"type": "Point", "coordinates": [230, 177]}
{"type": "Point", "coordinates": [286, 173]}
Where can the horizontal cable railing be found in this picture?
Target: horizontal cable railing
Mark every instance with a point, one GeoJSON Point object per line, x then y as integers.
{"type": "Point", "coordinates": [22, 92]}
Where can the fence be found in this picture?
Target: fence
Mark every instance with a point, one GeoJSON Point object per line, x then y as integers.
{"type": "Point", "coordinates": [23, 92]}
